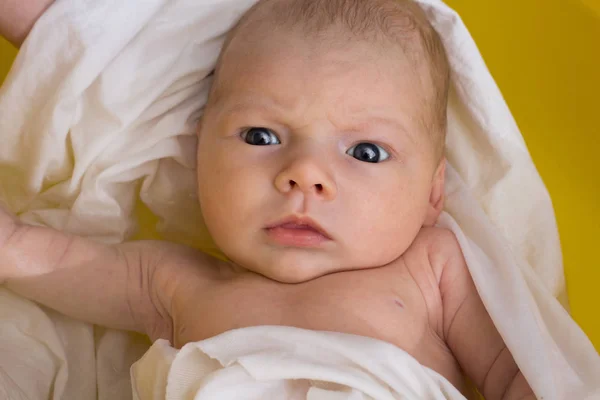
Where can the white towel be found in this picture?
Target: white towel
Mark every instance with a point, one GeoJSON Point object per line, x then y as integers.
{"type": "Point", "coordinates": [273, 362]}
{"type": "Point", "coordinates": [102, 104]}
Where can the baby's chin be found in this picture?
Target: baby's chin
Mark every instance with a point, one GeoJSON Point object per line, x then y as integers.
{"type": "Point", "coordinates": [292, 276]}
{"type": "Point", "coordinates": [299, 269]}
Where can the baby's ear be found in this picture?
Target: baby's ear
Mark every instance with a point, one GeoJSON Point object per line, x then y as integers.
{"type": "Point", "coordinates": [436, 197]}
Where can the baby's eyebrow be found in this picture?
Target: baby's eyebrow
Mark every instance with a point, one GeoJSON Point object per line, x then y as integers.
{"type": "Point", "coordinates": [360, 121]}
{"type": "Point", "coordinates": [392, 123]}
{"type": "Point", "coordinates": [374, 122]}
{"type": "Point", "coordinates": [245, 106]}
{"type": "Point", "coordinates": [250, 101]}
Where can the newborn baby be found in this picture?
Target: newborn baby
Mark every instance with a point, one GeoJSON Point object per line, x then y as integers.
{"type": "Point", "coordinates": [320, 176]}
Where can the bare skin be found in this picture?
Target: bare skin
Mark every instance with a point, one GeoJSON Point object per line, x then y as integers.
{"type": "Point", "coordinates": [381, 269]}
{"type": "Point", "coordinates": [394, 303]}
{"type": "Point", "coordinates": [424, 302]}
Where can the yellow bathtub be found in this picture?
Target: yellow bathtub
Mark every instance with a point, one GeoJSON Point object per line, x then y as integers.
{"type": "Point", "coordinates": [545, 55]}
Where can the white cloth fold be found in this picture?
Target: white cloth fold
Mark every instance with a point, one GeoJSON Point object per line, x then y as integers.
{"type": "Point", "coordinates": [274, 362]}
{"type": "Point", "coordinates": [101, 105]}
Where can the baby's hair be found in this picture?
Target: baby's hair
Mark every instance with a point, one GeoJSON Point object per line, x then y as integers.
{"type": "Point", "coordinates": [400, 22]}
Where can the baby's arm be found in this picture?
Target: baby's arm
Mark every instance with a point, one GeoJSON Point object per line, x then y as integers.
{"type": "Point", "coordinates": [469, 330]}
{"type": "Point", "coordinates": [97, 283]}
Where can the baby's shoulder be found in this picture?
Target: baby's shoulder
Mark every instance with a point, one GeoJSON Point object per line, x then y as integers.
{"type": "Point", "coordinates": [427, 260]}
{"type": "Point", "coordinates": [436, 247]}
{"type": "Point", "coordinates": [437, 241]}
{"type": "Point", "coordinates": [172, 270]}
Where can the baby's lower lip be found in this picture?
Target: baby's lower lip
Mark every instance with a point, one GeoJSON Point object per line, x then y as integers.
{"type": "Point", "coordinates": [296, 235]}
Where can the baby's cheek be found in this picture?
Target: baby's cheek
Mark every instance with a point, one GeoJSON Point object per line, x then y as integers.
{"type": "Point", "coordinates": [230, 210]}
{"type": "Point", "coordinates": [397, 224]}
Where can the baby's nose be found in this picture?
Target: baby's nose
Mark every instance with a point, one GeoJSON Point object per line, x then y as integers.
{"type": "Point", "coordinates": [308, 177]}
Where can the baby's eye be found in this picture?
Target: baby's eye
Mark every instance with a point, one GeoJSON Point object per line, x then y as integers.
{"type": "Point", "coordinates": [260, 137]}
{"type": "Point", "coordinates": [368, 152]}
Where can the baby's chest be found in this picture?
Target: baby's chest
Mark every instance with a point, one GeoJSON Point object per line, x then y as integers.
{"type": "Point", "coordinates": [384, 303]}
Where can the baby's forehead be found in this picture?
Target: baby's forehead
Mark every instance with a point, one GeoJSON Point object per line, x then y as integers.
{"type": "Point", "coordinates": [360, 73]}
{"type": "Point", "coordinates": [353, 77]}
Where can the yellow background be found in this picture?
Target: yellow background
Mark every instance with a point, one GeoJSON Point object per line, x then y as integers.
{"type": "Point", "coordinates": [545, 56]}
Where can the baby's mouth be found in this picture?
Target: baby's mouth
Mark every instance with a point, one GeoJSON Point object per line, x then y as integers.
{"type": "Point", "coordinates": [297, 232]}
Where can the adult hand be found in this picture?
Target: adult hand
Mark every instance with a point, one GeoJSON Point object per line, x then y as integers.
{"type": "Point", "coordinates": [17, 17]}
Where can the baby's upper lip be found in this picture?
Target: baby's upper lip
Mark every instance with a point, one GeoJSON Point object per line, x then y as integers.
{"type": "Point", "coordinates": [302, 221]}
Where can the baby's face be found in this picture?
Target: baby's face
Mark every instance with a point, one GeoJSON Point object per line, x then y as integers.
{"type": "Point", "coordinates": [313, 159]}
